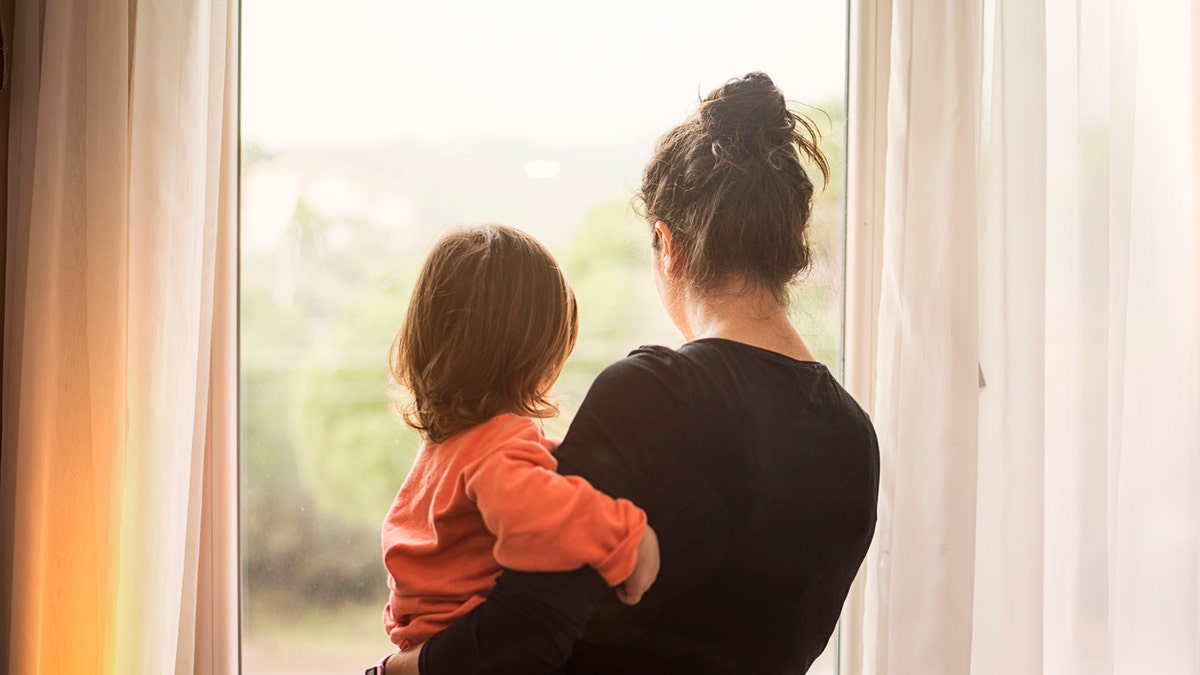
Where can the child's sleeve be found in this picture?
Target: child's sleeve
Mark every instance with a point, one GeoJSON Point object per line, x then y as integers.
{"type": "Point", "coordinates": [389, 617]}
{"type": "Point", "coordinates": [544, 522]}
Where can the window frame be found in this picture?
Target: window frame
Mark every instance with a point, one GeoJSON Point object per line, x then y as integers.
{"type": "Point", "coordinates": [867, 72]}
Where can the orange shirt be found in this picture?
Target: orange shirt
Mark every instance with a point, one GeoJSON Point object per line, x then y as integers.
{"type": "Point", "coordinates": [485, 498]}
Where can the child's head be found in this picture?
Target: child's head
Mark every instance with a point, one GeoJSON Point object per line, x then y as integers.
{"type": "Point", "coordinates": [491, 322]}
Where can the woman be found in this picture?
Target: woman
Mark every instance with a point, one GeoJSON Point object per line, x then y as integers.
{"type": "Point", "coordinates": [757, 470]}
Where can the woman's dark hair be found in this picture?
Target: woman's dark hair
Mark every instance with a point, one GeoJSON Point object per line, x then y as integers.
{"type": "Point", "coordinates": [730, 185]}
{"type": "Point", "coordinates": [491, 322]}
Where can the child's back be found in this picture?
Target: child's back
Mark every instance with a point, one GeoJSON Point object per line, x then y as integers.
{"type": "Point", "coordinates": [486, 498]}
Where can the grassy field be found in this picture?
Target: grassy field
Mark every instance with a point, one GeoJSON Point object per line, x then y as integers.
{"type": "Point", "coordinates": [313, 641]}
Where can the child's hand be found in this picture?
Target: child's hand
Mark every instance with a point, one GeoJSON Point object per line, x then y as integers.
{"type": "Point", "coordinates": [644, 573]}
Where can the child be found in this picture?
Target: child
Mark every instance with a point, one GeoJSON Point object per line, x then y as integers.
{"type": "Point", "coordinates": [490, 325]}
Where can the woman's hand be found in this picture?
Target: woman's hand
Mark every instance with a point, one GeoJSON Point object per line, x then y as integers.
{"type": "Point", "coordinates": [403, 663]}
{"type": "Point", "coordinates": [644, 573]}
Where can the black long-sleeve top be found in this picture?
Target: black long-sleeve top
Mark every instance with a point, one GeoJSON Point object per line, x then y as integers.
{"type": "Point", "coordinates": [759, 474]}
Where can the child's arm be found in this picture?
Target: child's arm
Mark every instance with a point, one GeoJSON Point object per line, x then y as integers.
{"type": "Point", "coordinates": [545, 522]}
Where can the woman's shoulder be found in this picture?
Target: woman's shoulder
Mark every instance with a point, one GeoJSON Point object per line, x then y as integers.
{"type": "Point", "coordinates": [649, 367]}
{"type": "Point", "coordinates": [649, 359]}
{"type": "Point", "coordinates": [651, 355]}
{"type": "Point", "coordinates": [649, 379]}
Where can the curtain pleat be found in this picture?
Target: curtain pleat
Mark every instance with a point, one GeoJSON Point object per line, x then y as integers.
{"type": "Point", "coordinates": [1156, 550]}
{"type": "Point", "coordinates": [214, 636]}
{"type": "Point", "coordinates": [919, 573]}
{"type": "Point", "coordinates": [1007, 606]}
{"type": "Point", "coordinates": [1077, 329]}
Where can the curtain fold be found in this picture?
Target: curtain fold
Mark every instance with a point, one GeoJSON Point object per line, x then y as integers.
{"type": "Point", "coordinates": [119, 378]}
{"type": "Point", "coordinates": [1007, 605]}
{"type": "Point", "coordinates": [217, 636]}
{"type": "Point", "coordinates": [925, 407]}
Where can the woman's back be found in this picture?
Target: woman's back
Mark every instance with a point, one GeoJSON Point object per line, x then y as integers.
{"type": "Point", "coordinates": [760, 474]}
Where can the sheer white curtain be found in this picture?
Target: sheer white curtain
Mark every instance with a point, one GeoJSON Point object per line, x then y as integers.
{"type": "Point", "coordinates": [1122, 348]}
{"type": "Point", "coordinates": [119, 406]}
{"type": "Point", "coordinates": [1063, 535]}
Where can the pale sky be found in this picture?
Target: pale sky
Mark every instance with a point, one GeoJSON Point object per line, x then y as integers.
{"type": "Point", "coordinates": [353, 72]}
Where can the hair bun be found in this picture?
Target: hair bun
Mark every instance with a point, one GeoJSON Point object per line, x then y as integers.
{"type": "Point", "coordinates": [731, 186]}
{"type": "Point", "coordinates": [748, 111]}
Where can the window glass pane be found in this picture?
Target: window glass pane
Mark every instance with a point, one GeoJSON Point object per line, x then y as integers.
{"type": "Point", "coordinates": [368, 128]}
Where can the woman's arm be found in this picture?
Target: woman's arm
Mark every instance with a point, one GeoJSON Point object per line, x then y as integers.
{"type": "Point", "coordinates": [529, 625]}
{"type": "Point", "coordinates": [404, 663]}
{"type": "Point", "coordinates": [532, 621]}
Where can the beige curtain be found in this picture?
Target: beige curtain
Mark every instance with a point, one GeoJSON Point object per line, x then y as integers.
{"type": "Point", "coordinates": [119, 415]}
{"type": "Point", "coordinates": [1038, 394]}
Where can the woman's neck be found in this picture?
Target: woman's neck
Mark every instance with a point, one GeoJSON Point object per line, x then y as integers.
{"type": "Point", "coordinates": [752, 316]}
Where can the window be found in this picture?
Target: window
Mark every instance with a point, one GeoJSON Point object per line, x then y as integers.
{"type": "Point", "coordinates": [368, 127]}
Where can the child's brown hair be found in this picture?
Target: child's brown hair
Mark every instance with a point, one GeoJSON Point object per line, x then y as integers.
{"type": "Point", "coordinates": [491, 322]}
